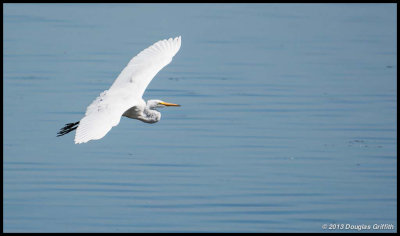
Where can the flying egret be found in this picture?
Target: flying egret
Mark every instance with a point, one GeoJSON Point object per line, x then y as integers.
{"type": "Point", "coordinates": [124, 97]}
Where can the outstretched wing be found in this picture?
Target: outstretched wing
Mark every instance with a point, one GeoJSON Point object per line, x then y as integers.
{"type": "Point", "coordinates": [142, 68]}
{"type": "Point", "coordinates": [106, 110]}
{"type": "Point", "coordinates": [104, 113]}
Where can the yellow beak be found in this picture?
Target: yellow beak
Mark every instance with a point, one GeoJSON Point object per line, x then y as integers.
{"type": "Point", "coordinates": [170, 104]}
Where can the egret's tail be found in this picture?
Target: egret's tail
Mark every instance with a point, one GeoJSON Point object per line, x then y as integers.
{"type": "Point", "coordinates": [67, 128]}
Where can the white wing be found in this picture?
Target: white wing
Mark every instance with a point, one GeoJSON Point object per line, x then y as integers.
{"type": "Point", "coordinates": [143, 67]}
{"type": "Point", "coordinates": [127, 90]}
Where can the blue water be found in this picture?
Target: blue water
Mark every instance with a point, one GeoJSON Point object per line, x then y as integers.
{"type": "Point", "coordinates": [287, 124]}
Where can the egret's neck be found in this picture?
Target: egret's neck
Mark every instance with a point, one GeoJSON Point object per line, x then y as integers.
{"type": "Point", "coordinates": [150, 115]}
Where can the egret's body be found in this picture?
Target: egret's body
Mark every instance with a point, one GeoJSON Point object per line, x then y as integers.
{"type": "Point", "coordinates": [124, 97]}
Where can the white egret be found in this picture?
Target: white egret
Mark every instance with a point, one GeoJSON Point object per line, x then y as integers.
{"type": "Point", "coordinates": [124, 97]}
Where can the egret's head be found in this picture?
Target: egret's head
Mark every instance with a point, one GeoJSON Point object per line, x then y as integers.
{"type": "Point", "coordinates": [160, 104]}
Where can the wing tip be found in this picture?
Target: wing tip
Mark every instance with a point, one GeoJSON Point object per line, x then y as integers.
{"type": "Point", "coordinates": [82, 139]}
{"type": "Point", "coordinates": [79, 141]}
{"type": "Point", "coordinates": [178, 41]}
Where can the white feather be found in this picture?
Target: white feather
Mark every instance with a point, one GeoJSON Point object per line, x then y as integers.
{"type": "Point", "coordinates": [127, 90]}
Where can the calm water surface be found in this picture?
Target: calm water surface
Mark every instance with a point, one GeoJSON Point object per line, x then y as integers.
{"type": "Point", "coordinates": [288, 119]}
